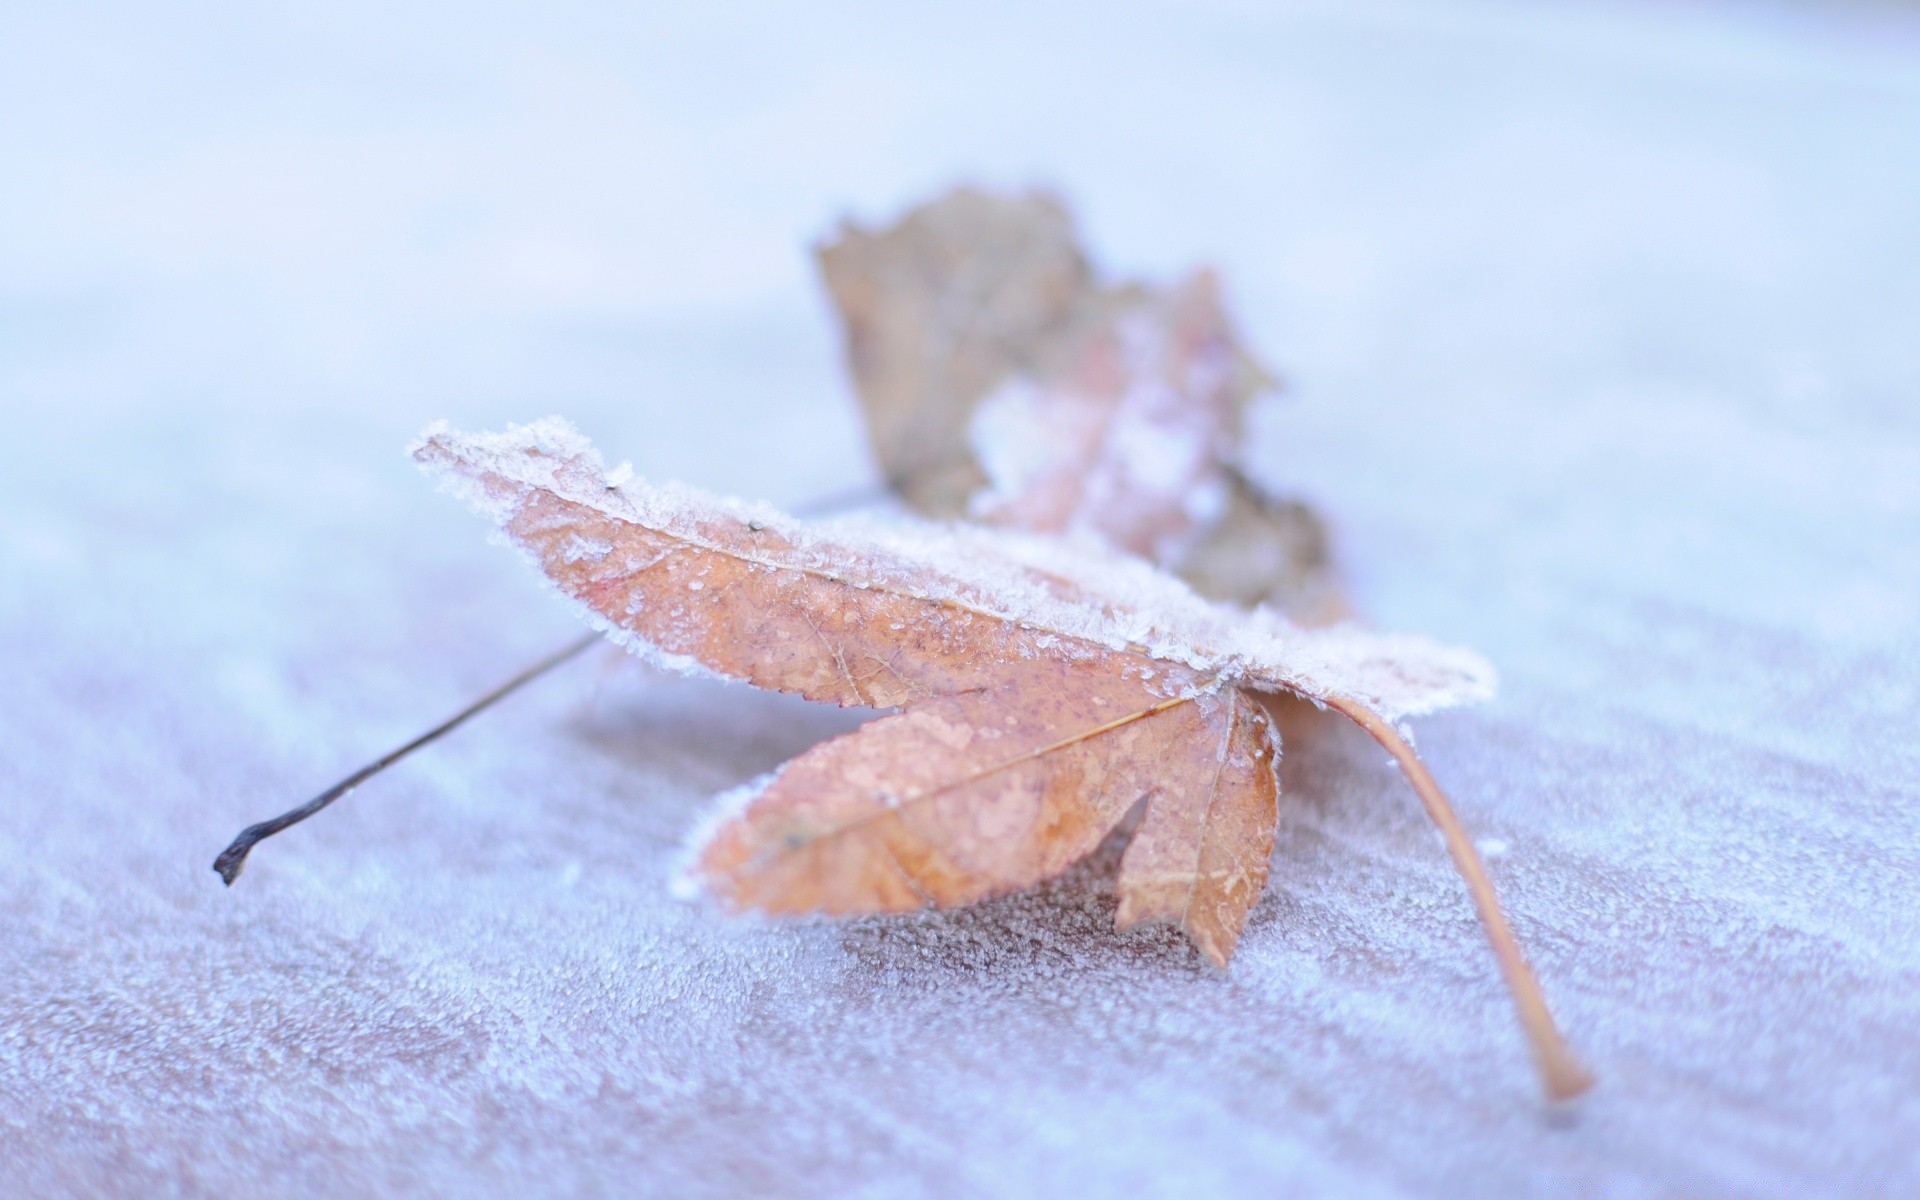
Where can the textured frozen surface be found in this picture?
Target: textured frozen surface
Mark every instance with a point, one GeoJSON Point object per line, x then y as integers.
{"type": "Point", "coordinates": [1600, 326]}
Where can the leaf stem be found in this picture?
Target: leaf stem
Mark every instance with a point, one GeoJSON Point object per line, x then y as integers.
{"type": "Point", "coordinates": [234, 857]}
{"type": "Point", "coordinates": [1563, 1075]}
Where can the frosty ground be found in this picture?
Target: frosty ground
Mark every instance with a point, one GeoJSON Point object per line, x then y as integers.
{"type": "Point", "coordinates": [1598, 331]}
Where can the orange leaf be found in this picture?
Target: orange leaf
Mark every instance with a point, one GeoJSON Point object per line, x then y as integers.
{"type": "Point", "coordinates": [1044, 691]}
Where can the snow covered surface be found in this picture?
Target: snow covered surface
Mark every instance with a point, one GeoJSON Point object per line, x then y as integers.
{"type": "Point", "coordinates": [1599, 324]}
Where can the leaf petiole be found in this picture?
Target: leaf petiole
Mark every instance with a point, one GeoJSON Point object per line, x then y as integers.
{"type": "Point", "coordinates": [1563, 1075]}
{"type": "Point", "coordinates": [234, 857]}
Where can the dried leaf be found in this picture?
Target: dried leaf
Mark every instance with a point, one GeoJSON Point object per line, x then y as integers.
{"type": "Point", "coordinates": [1001, 380]}
{"type": "Point", "coordinates": [941, 309]}
{"type": "Point", "coordinates": [1044, 691]}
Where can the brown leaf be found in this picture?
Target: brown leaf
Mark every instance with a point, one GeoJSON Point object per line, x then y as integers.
{"type": "Point", "coordinates": [942, 308]}
{"type": "Point", "coordinates": [1002, 380]}
{"type": "Point", "coordinates": [1043, 691]}
{"type": "Point", "coordinates": [1043, 699]}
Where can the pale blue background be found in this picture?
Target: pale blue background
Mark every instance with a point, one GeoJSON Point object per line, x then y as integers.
{"type": "Point", "coordinates": [1602, 325]}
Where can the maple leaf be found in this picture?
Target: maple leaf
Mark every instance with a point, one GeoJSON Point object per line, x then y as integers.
{"type": "Point", "coordinates": [1043, 693]}
{"type": "Point", "coordinates": [1001, 380]}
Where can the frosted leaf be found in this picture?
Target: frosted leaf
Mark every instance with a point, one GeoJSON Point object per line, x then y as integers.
{"type": "Point", "coordinates": [1049, 596]}
{"type": "Point", "coordinates": [1047, 688]}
